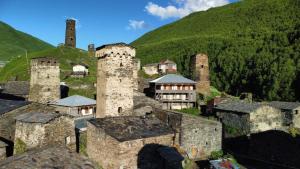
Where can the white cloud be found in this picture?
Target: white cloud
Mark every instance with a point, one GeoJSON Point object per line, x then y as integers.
{"type": "Point", "coordinates": [182, 8]}
{"type": "Point", "coordinates": [134, 24]}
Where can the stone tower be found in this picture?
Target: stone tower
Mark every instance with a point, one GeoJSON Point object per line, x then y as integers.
{"type": "Point", "coordinates": [115, 80]}
{"type": "Point", "coordinates": [201, 73]}
{"type": "Point", "coordinates": [44, 80]}
{"type": "Point", "coordinates": [136, 68]}
{"type": "Point", "coordinates": [70, 37]}
{"type": "Point", "coordinates": [91, 50]}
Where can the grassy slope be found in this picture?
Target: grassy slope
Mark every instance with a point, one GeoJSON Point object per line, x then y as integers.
{"type": "Point", "coordinates": [19, 67]}
{"type": "Point", "coordinates": [232, 36]}
{"type": "Point", "coordinates": [14, 43]}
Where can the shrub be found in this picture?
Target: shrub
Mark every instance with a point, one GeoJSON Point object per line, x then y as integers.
{"type": "Point", "coordinates": [19, 147]}
{"type": "Point", "coordinates": [294, 132]}
{"type": "Point", "coordinates": [216, 154]}
{"type": "Point", "coordinates": [82, 144]}
{"type": "Point", "coordinates": [193, 111]}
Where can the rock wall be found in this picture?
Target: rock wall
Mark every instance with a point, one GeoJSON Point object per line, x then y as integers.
{"type": "Point", "coordinates": [115, 81]}
{"type": "Point", "coordinates": [44, 80]}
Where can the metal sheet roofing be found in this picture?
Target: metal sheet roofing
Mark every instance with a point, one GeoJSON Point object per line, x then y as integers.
{"type": "Point", "coordinates": [285, 105]}
{"type": "Point", "coordinates": [173, 78]}
{"type": "Point", "coordinates": [9, 105]}
{"type": "Point", "coordinates": [74, 101]}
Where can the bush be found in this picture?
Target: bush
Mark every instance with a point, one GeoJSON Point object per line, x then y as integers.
{"type": "Point", "coordinates": [82, 144]}
{"type": "Point", "coordinates": [216, 154]}
{"type": "Point", "coordinates": [19, 147]}
{"type": "Point", "coordinates": [294, 132]}
{"type": "Point", "coordinates": [193, 111]}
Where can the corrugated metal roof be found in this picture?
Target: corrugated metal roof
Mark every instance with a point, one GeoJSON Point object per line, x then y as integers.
{"type": "Point", "coordinates": [285, 105]}
{"type": "Point", "coordinates": [74, 101]}
{"type": "Point", "coordinates": [173, 78]}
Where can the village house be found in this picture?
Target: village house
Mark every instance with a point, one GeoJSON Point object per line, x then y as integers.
{"type": "Point", "coordinates": [249, 117]}
{"type": "Point", "coordinates": [76, 105]}
{"type": "Point", "coordinates": [127, 142]}
{"type": "Point", "coordinates": [167, 66]}
{"type": "Point", "coordinates": [42, 129]}
{"type": "Point", "coordinates": [174, 91]}
{"type": "Point", "coordinates": [80, 70]}
{"type": "Point", "coordinates": [151, 69]}
{"type": "Point", "coordinates": [291, 112]}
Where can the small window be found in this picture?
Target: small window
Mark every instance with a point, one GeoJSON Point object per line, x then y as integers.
{"type": "Point", "coordinates": [202, 66]}
{"type": "Point", "coordinates": [215, 129]}
{"type": "Point", "coordinates": [121, 65]}
{"type": "Point", "coordinates": [120, 110]}
{"type": "Point", "coordinates": [120, 80]}
{"type": "Point", "coordinates": [48, 89]}
{"type": "Point", "coordinates": [48, 76]}
{"type": "Point", "coordinates": [296, 112]}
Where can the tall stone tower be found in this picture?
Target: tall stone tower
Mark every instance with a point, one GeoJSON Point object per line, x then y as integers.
{"type": "Point", "coordinates": [70, 37]}
{"type": "Point", "coordinates": [201, 73]}
{"type": "Point", "coordinates": [91, 50]}
{"type": "Point", "coordinates": [44, 80]}
{"type": "Point", "coordinates": [115, 80]}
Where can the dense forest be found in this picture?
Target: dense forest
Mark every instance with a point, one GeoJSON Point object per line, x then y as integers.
{"type": "Point", "coordinates": [253, 46]}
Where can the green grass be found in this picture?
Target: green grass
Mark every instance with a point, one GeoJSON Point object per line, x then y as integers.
{"type": "Point", "coordinates": [253, 46]}
{"type": "Point", "coordinates": [193, 111]}
{"type": "Point", "coordinates": [14, 43]}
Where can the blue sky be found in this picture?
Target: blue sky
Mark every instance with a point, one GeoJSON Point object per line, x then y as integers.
{"type": "Point", "coordinates": [98, 21]}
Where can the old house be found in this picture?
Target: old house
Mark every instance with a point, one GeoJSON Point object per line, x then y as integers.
{"type": "Point", "coordinates": [249, 117]}
{"type": "Point", "coordinates": [115, 81]}
{"type": "Point", "coordinates": [42, 129]}
{"type": "Point", "coordinates": [151, 69]}
{"type": "Point", "coordinates": [80, 70]}
{"type": "Point", "coordinates": [196, 136]}
{"type": "Point", "coordinates": [167, 66]}
{"type": "Point", "coordinates": [44, 80]}
{"type": "Point", "coordinates": [16, 90]}
{"type": "Point", "coordinates": [76, 105]}
{"type": "Point", "coordinates": [127, 142]}
{"type": "Point", "coordinates": [174, 91]}
{"type": "Point", "coordinates": [290, 110]}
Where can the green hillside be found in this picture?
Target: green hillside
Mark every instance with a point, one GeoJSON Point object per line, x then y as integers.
{"type": "Point", "coordinates": [14, 43]}
{"type": "Point", "coordinates": [253, 46]}
{"type": "Point", "coordinates": [19, 68]}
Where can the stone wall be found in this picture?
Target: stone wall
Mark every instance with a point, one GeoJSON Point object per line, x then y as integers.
{"type": "Point", "coordinates": [200, 66]}
{"type": "Point", "coordinates": [115, 81]}
{"type": "Point", "coordinates": [136, 68]}
{"type": "Point", "coordinates": [112, 154]}
{"type": "Point", "coordinates": [59, 131]}
{"type": "Point", "coordinates": [197, 136]}
{"type": "Point", "coordinates": [296, 118]}
{"type": "Point", "coordinates": [44, 80]}
{"type": "Point", "coordinates": [144, 105]}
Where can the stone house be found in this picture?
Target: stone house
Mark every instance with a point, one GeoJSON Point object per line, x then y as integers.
{"type": "Point", "coordinates": [174, 91]}
{"type": "Point", "coordinates": [167, 66]}
{"type": "Point", "coordinates": [129, 142]}
{"type": "Point", "coordinates": [76, 105]}
{"type": "Point", "coordinates": [41, 129]}
{"type": "Point", "coordinates": [80, 70]}
{"type": "Point", "coordinates": [3, 147]}
{"type": "Point", "coordinates": [290, 110]}
{"type": "Point", "coordinates": [151, 69]}
{"type": "Point", "coordinates": [249, 117]}
{"type": "Point", "coordinates": [196, 136]}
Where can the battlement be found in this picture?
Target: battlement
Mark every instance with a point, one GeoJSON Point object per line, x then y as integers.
{"type": "Point", "coordinates": [121, 50]}
{"type": "Point", "coordinates": [44, 61]}
{"type": "Point", "coordinates": [71, 21]}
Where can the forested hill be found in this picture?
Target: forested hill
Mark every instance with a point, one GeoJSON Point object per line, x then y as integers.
{"type": "Point", "coordinates": [253, 46]}
{"type": "Point", "coordinates": [14, 43]}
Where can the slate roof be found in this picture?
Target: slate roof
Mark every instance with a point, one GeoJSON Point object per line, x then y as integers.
{"type": "Point", "coordinates": [74, 101]}
{"type": "Point", "coordinates": [239, 106]}
{"type": "Point", "coordinates": [114, 44]}
{"type": "Point", "coordinates": [9, 105]}
{"type": "Point", "coordinates": [173, 78]}
{"type": "Point", "coordinates": [33, 117]}
{"type": "Point", "coordinates": [285, 105]}
{"type": "Point", "coordinates": [167, 61]}
{"type": "Point", "coordinates": [81, 123]}
{"type": "Point", "coordinates": [16, 88]}
{"type": "Point", "coordinates": [131, 127]}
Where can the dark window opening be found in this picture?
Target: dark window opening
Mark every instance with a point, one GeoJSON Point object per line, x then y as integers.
{"type": "Point", "coordinates": [121, 65]}
{"type": "Point", "coordinates": [120, 110]}
{"type": "Point", "coordinates": [202, 66]}
{"type": "Point", "coordinates": [48, 76]}
{"type": "Point", "coordinates": [48, 89]}
{"type": "Point", "coordinates": [120, 80]}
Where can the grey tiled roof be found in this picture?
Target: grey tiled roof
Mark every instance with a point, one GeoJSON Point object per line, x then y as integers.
{"type": "Point", "coordinates": [285, 105]}
{"type": "Point", "coordinates": [173, 78]}
{"type": "Point", "coordinates": [114, 44]}
{"type": "Point", "coordinates": [74, 101]}
{"type": "Point", "coordinates": [239, 106]}
{"type": "Point", "coordinates": [16, 88]}
{"type": "Point", "coordinates": [9, 105]}
{"type": "Point", "coordinates": [37, 117]}
{"type": "Point", "coordinates": [131, 127]}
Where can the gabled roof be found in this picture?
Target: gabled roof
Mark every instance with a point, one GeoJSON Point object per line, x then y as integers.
{"type": "Point", "coordinates": [74, 101]}
{"type": "Point", "coordinates": [9, 105]}
{"type": "Point", "coordinates": [167, 61]}
{"type": "Point", "coordinates": [121, 44]}
{"type": "Point", "coordinates": [239, 106]}
{"type": "Point", "coordinates": [285, 105]}
{"type": "Point", "coordinates": [173, 78]}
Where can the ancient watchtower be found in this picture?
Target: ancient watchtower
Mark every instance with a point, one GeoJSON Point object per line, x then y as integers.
{"type": "Point", "coordinates": [70, 37]}
{"type": "Point", "coordinates": [44, 80]}
{"type": "Point", "coordinates": [114, 80]}
{"type": "Point", "coordinates": [91, 50]}
{"type": "Point", "coordinates": [201, 73]}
